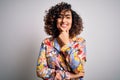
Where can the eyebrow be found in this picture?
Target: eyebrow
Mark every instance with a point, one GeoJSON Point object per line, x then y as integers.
{"type": "Point", "coordinates": [65, 14]}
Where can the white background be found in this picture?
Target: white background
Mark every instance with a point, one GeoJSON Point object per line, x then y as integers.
{"type": "Point", "coordinates": [22, 30]}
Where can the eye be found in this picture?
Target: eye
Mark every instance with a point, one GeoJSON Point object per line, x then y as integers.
{"type": "Point", "coordinates": [59, 16]}
{"type": "Point", "coordinates": [68, 17]}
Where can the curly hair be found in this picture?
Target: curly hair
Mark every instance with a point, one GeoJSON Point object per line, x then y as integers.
{"type": "Point", "coordinates": [51, 17]}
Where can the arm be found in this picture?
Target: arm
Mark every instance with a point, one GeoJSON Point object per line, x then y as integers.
{"type": "Point", "coordinates": [75, 55]}
{"type": "Point", "coordinates": [69, 76]}
{"type": "Point", "coordinates": [42, 69]}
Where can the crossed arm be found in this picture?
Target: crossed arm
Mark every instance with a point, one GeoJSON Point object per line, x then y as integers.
{"type": "Point", "coordinates": [45, 72]}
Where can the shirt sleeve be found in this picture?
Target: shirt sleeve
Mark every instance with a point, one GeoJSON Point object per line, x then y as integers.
{"type": "Point", "coordinates": [75, 55]}
{"type": "Point", "coordinates": [44, 71]}
{"type": "Point", "coordinates": [42, 67]}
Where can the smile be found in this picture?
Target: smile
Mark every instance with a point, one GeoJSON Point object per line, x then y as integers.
{"type": "Point", "coordinates": [64, 25]}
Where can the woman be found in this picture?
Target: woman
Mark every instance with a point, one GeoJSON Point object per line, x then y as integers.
{"type": "Point", "coordinates": [63, 54]}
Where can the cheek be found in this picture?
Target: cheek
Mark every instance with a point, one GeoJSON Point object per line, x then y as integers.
{"type": "Point", "coordinates": [70, 23]}
{"type": "Point", "coordinates": [58, 23]}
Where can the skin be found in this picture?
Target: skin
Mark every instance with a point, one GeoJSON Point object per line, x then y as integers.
{"type": "Point", "coordinates": [64, 23]}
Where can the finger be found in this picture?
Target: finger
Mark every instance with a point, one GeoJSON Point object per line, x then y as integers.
{"type": "Point", "coordinates": [63, 29]}
{"type": "Point", "coordinates": [55, 78]}
{"type": "Point", "coordinates": [67, 31]}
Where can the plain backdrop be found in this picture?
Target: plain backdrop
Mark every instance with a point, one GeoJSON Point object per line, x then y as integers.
{"type": "Point", "coordinates": [22, 31]}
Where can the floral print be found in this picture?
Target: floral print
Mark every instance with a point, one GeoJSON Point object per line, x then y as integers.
{"type": "Point", "coordinates": [54, 59]}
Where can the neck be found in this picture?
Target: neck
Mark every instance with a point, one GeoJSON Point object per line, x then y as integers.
{"type": "Point", "coordinates": [60, 42]}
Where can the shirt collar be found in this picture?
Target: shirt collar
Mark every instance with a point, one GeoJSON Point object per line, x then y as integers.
{"type": "Point", "coordinates": [56, 45]}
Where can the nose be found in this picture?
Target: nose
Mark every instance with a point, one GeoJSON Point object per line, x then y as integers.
{"type": "Point", "coordinates": [63, 19]}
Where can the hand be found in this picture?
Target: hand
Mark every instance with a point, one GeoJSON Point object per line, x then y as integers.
{"type": "Point", "coordinates": [78, 75]}
{"type": "Point", "coordinates": [81, 74]}
{"type": "Point", "coordinates": [58, 76]}
{"type": "Point", "coordinates": [64, 37]}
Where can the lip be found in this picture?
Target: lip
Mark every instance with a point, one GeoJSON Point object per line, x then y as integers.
{"type": "Point", "coordinates": [64, 25]}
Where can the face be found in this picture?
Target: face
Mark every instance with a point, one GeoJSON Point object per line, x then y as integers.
{"type": "Point", "coordinates": [64, 21]}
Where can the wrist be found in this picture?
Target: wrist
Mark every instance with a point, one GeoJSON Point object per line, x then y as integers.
{"type": "Point", "coordinates": [67, 75]}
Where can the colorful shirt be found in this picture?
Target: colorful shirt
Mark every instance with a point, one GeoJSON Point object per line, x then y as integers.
{"type": "Point", "coordinates": [68, 59]}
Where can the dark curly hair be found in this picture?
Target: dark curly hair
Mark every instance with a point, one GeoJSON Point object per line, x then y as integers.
{"type": "Point", "coordinates": [51, 16]}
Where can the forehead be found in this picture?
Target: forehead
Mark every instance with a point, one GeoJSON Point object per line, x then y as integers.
{"type": "Point", "coordinates": [64, 12]}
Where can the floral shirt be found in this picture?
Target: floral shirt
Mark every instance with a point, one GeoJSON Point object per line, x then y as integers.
{"type": "Point", "coordinates": [54, 59]}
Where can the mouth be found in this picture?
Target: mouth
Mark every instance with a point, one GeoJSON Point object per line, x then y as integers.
{"type": "Point", "coordinates": [64, 25]}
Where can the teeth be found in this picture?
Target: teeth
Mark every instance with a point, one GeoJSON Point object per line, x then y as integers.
{"type": "Point", "coordinates": [64, 25]}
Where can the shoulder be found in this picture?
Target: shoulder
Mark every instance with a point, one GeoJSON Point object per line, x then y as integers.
{"type": "Point", "coordinates": [48, 41]}
{"type": "Point", "coordinates": [80, 39]}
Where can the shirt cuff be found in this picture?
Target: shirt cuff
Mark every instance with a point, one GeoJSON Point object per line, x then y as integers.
{"type": "Point", "coordinates": [66, 75]}
{"type": "Point", "coordinates": [66, 47]}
